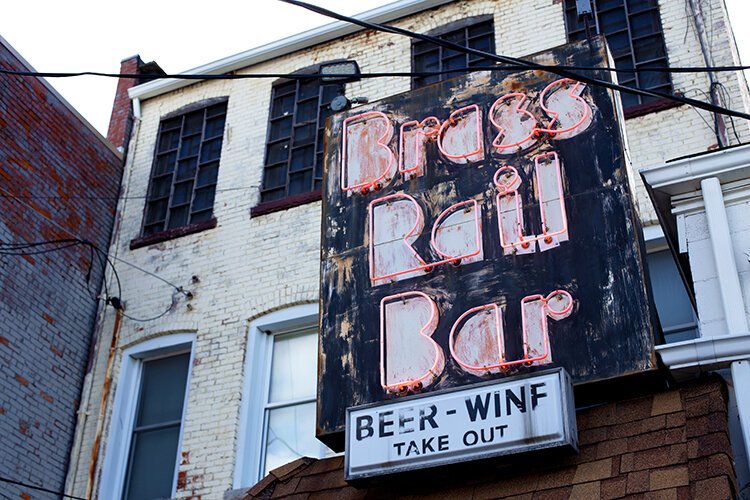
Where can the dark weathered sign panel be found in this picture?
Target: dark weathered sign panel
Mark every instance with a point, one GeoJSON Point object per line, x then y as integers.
{"type": "Point", "coordinates": [474, 229]}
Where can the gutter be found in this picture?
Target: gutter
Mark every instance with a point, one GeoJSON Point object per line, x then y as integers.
{"type": "Point", "coordinates": [705, 353]}
{"type": "Point", "coordinates": [288, 45]}
{"type": "Point", "coordinates": [684, 176]}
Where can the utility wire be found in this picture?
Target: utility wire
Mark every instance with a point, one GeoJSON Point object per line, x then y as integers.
{"type": "Point", "coordinates": [557, 70]}
{"type": "Point", "coordinates": [22, 249]}
{"type": "Point", "coordinates": [92, 197]}
{"type": "Point", "coordinates": [39, 488]}
{"type": "Point", "coordinates": [377, 74]}
{"type": "Point", "coordinates": [76, 237]}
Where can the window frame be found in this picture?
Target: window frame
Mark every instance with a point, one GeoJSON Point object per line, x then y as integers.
{"type": "Point", "coordinates": [655, 242]}
{"type": "Point", "coordinates": [642, 108]}
{"type": "Point", "coordinates": [260, 338]}
{"type": "Point", "coordinates": [288, 201]}
{"type": "Point", "coordinates": [117, 450]}
{"type": "Point", "coordinates": [190, 227]}
{"type": "Point", "coordinates": [444, 30]}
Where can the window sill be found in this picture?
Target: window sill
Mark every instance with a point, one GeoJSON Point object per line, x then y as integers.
{"type": "Point", "coordinates": [285, 203]}
{"type": "Point", "coordinates": [171, 234]}
{"type": "Point", "coordinates": [649, 107]}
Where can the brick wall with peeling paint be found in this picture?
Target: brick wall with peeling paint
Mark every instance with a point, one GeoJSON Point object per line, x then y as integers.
{"type": "Point", "coordinates": [57, 177]}
{"type": "Point", "coordinates": [248, 266]}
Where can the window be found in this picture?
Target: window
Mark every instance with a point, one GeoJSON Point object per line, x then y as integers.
{"type": "Point", "coordinates": [186, 164]}
{"type": "Point", "coordinates": [672, 302]}
{"type": "Point", "coordinates": [278, 409]}
{"type": "Point", "coordinates": [290, 406]}
{"type": "Point", "coordinates": [144, 439]}
{"type": "Point", "coordinates": [634, 35]}
{"type": "Point", "coordinates": [294, 149]}
{"type": "Point", "coordinates": [476, 33]}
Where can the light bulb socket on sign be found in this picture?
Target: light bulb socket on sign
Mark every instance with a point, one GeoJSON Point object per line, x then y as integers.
{"type": "Point", "coordinates": [514, 415]}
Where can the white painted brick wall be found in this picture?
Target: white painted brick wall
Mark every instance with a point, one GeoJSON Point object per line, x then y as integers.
{"type": "Point", "coordinates": [250, 266]}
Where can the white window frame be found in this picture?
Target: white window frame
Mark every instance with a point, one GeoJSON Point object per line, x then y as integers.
{"type": "Point", "coordinates": [251, 434]}
{"type": "Point", "coordinates": [126, 402]}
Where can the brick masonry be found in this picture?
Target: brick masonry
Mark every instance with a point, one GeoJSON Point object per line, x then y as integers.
{"type": "Point", "coordinates": [249, 266]}
{"type": "Point", "coordinates": [670, 445]}
{"type": "Point", "coordinates": [121, 120]}
{"type": "Point", "coordinates": [57, 177]}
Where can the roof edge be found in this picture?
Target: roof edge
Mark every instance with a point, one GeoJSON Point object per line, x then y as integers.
{"type": "Point", "coordinates": [288, 45]}
{"type": "Point", "coordinates": [5, 43]}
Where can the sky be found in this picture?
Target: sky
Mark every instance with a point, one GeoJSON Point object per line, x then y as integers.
{"type": "Point", "coordinates": [95, 35]}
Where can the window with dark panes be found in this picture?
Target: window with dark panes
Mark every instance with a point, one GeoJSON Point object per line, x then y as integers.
{"type": "Point", "coordinates": [634, 35]}
{"type": "Point", "coordinates": [427, 57]}
{"type": "Point", "coordinates": [673, 305]}
{"type": "Point", "coordinates": [186, 165]}
{"type": "Point", "coordinates": [156, 430]}
{"type": "Point", "coordinates": [294, 150]}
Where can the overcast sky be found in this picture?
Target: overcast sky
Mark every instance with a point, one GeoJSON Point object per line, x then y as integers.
{"type": "Point", "coordinates": [94, 35]}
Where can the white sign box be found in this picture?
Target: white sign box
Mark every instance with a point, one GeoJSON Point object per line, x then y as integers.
{"type": "Point", "coordinates": [502, 417]}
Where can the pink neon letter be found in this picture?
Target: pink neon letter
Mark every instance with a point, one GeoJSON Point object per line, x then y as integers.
{"type": "Point", "coordinates": [549, 187]}
{"type": "Point", "coordinates": [478, 345]}
{"type": "Point", "coordinates": [366, 160]}
{"type": "Point", "coordinates": [411, 152]}
{"type": "Point", "coordinates": [460, 136]}
{"type": "Point", "coordinates": [515, 125]}
{"type": "Point", "coordinates": [457, 233]}
{"type": "Point", "coordinates": [535, 309]}
{"type": "Point", "coordinates": [570, 113]}
{"type": "Point", "coordinates": [396, 221]}
{"type": "Point", "coordinates": [409, 359]}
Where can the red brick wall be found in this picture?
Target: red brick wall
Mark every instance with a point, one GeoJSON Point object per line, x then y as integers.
{"type": "Point", "coordinates": [669, 445]}
{"type": "Point", "coordinates": [57, 177]}
{"type": "Point", "coordinates": [120, 119]}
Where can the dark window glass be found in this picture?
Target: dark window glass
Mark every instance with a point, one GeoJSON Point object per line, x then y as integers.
{"type": "Point", "coordinates": [635, 38]}
{"type": "Point", "coordinates": [156, 431]}
{"type": "Point", "coordinates": [295, 138]}
{"type": "Point", "coordinates": [187, 153]}
{"type": "Point", "coordinates": [672, 302]}
{"type": "Point", "coordinates": [428, 57]}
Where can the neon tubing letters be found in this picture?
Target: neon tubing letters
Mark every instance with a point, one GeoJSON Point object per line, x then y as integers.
{"type": "Point", "coordinates": [367, 161]}
{"type": "Point", "coordinates": [409, 359]}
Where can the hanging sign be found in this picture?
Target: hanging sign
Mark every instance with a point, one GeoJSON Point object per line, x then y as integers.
{"type": "Point", "coordinates": [476, 229]}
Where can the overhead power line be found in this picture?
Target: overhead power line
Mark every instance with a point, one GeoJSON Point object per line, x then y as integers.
{"type": "Point", "coordinates": [557, 70]}
{"type": "Point", "coordinates": [376, 74]}
{"type": "Point", "coordinates": [39, 488]}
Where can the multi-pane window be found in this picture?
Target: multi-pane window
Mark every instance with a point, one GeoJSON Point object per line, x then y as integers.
{"type": "Point", "coordinates": [294, 150]}
{"type": "Point", "coordinates": [289, 417]}
{"type": "Point", "coordinates": [672, 302]}
{"type": "Point", "coordinates": [156, 430]}
{"type": "Point", "coordinates": [427, 57]}
{"type": "Point", "coordinates": [634, 35]}
{"type": "Point", "coordinates": [186, 164]}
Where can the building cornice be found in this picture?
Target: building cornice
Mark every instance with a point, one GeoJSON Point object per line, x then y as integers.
{"type": "Point", "coordinates": [684, 176]}
{"type": "Point", "coordinates": [288, 45]}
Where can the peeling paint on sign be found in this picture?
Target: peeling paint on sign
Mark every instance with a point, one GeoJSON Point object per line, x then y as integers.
{"type": "Point", "coordinates": [478, 228]}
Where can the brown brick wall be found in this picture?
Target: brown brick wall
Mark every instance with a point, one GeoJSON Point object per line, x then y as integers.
{"type": "Point", "coordinates": [670, 445]}
{"type": "Point", "coordinates": [58, 178]}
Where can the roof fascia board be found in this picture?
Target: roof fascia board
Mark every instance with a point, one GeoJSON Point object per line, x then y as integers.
{"type": "Point", "coordinates": [684, 176]}
{"type": "Point", "coordinates": [288, 45]}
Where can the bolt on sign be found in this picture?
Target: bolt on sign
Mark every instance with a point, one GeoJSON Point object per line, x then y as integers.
{"type": "Point", "coordinates": [476, 229]}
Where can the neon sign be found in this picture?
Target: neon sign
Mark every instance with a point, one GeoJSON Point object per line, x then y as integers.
{"type": "Point", "coordinates": [477, 229]}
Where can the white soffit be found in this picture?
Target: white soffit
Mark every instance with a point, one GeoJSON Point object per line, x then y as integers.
{"type": "Point", "coordinates": [294, 43]}
{"type": "Point", "coordinates": [683, 176]}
